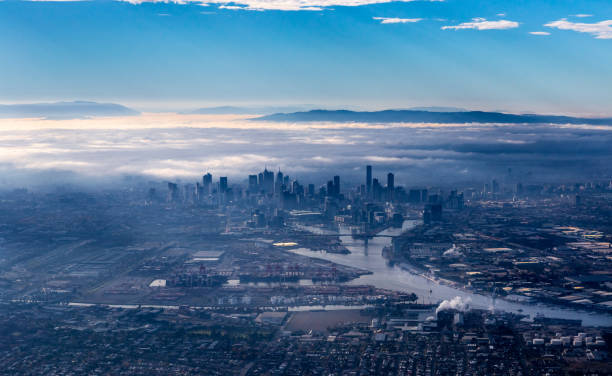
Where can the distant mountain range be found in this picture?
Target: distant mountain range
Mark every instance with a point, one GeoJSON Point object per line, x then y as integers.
{"type": "Point", "coordinates": [255, 110]}
{"type": "Point", "coordinates": [420, 116]}
{"type": "Point", "coordinates": [64, 110]}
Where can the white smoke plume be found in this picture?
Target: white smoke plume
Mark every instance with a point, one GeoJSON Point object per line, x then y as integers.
{"type": "Point", "coordinates": [456, 303]}
{"type": "Point", "coordinates": [452, 252]}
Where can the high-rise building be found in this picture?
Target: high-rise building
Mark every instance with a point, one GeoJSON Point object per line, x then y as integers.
{"type": "Point", "coordinates": [173, 193]}
{"type": "Point", "coordinates": [223, 184]}
{"type": "Point", "coordinates": [278, 184]}
{"type": "Point", "coordinates": [369, 180]}
{"type": "Point", "coordinates": [260, 180]}
{"type": "Point", "coordinates": [311, 190]}
{"type": "Point", "coordinates": [390, 181]}
{"type": "Point", "coordinates": [268, 181]}
{"type": "Point", "coordinates": [330, 188]}
{"type": "Point", "coordinates": [200, 192]}
{"type": "Point", "coordinates": [252, 183]}
{"type": "Point", "coordinates": [206, 183]}
{"type": "Point", "coordinates": [390, 186]}
{"type": "Point", "coordinates": [336, 186]}
{"type": "Point", "coordinates": [376, 190]}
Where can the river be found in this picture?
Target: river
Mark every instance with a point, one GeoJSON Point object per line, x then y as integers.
{"type": "Point", "coordinates": [368, 256]}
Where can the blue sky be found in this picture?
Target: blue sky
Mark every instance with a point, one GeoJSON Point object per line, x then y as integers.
{"type": "Point", "coordinates": [465, 53]}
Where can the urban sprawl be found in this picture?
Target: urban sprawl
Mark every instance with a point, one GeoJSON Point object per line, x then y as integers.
{"type": "Point", "coordinates": [272, 276]}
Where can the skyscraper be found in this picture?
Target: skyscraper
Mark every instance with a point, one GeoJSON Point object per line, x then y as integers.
{"type": "Point", "coordinates": [330, 188]}
{"type": "Point", "coordinates": [390, 186]}
{"type": "Point", "coordinates": [278, 185]}
{"type": "Point", "coordinates": [173, 193]}
{"type": "Point", "coordinates": [206, 183]}
{"type": "Point", "coordinates": [252, 183]}
{"type": "Point", "coordinates": [376, 190]}
{"type": "Point", "coordinates": [311, 190]}
{"type": "Point", "coordinates": [336, 186]}
{"type": "Point", "coordinates": [223, 184]}
{"type": "Point", "coordinates": [268, 181]}
{"type": "Point", "coordinates": [369, 180]}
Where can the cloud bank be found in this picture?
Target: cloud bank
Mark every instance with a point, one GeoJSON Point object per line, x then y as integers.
{"type": "Point", "coordinates": [483, 24]}
{"type": "Point", "coordinates": [163, 146]}
{"type": "Point", "coordinates": [288, 5]}
{"type": "Point", "coordinates": [600, 30]}
{"type": "Point", "coordinates": [394, 20]}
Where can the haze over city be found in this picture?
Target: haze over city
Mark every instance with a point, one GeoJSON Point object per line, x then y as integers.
{"type": "Point", "coordinates": [305, 187]}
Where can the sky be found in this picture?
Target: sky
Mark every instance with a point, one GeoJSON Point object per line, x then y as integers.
{"type": "Point", "coordinates": [518, 56]}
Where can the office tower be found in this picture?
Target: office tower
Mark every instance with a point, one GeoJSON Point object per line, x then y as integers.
{"type": "Point", "coordinates": [311, 190]}
{"type": "Point", "coordinates": [189, 193]}
{"type": "Point", "coordinates": [423, 195]}
{"type": "Point", "coordinates": [223, 184]}
{"type": "Point", "coordinates": [298, 189]}
{"type": "Point", "coordinates": [278, 184]}
{"type": "Point", "coordinates": [390, 186]}
{"type": "Point", "coordinates": [173, 194]}
{"type": "Point", "coordinates": [260, 180]}
{"type": "Point", "coordinates": [390, 181]}
{"type": "Point", "coordinates": [252, 183]}
{"type": "Point", "coordinates": [336, 186]}
{"type": "Point", "coordinates": [369, 180]}
{"type": "Point", "coordinates": [455, 200]}
{"type": "Point", "coordinates": [199, 192]}
{"type": "Point", "coordinates": [206, 183]}
{"type": "Point", "coordinates": [268, 181]}
{"type": "Point", "coordinates": [330, 188]}
{"type": "Point", "coordinates": [376, 190]}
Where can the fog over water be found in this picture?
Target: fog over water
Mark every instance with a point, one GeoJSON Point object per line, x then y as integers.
{"type": "Point", "coordinates": [95, 151]}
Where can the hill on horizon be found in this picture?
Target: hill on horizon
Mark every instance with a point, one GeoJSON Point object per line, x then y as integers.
{"type": "Point", "coordinates": [420, 116]}
{"type": "Point", "coordinates": [64, 110]}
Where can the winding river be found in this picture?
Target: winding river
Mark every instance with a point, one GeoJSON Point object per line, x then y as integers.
{"type": "Point", "coordinates": [368, 256]}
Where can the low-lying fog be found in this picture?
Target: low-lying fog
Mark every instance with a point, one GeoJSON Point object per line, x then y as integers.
{"type": "Point", "coordinates": [99, 151]}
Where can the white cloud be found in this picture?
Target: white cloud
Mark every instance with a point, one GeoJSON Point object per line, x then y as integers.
{"type": "Point", "coordinates": [313, 5]}
{"type": "Point", "coordinates": [539, 33]}
{"type": "Point", "coordinates": [483, 24]}
{"type": "Point", "coordinates": [394, 20]}
{"type": "Point", "coordinates": [231, 7]}
{"type": "Point", "coordinates": [600, 30]}
{"type": "Point", "coordinates": [582, 15]}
